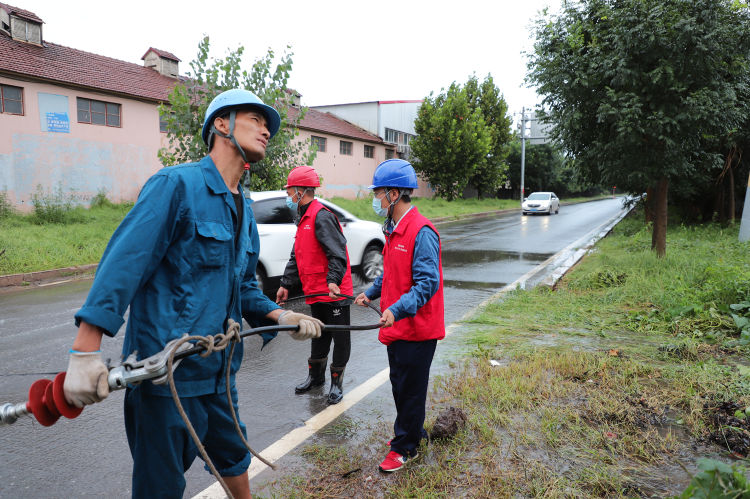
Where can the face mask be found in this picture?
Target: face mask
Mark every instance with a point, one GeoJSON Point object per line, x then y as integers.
{"type": "Point", "coordinates": [379, 210]}
{"type": "Point", "coordinates": [291, 204]}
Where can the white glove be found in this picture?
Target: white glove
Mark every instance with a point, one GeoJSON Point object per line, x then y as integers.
{"type": "Point", "coordinates": [86, 379]}
{"type": "Point", "coordinates": [309, 327]}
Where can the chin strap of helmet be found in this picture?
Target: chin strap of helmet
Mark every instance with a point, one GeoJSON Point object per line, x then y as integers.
{"type": "Point", "coordinates": [230, 136]}
{"type": "Point", "coordinates": [388, 225]}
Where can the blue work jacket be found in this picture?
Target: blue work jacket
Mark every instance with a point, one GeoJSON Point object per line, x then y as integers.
{"type": "Point", "coordinates": [175, 260]}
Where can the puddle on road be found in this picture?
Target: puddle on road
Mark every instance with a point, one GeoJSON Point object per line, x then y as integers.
{"type": "Point", "coordinates": [464, 257]}
{"type": "Point", "coordinates": [479, 286]}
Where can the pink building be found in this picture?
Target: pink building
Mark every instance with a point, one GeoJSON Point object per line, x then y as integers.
{"type": "Point", "coordinates": [346, 154]}
{"type": "Point", "coordinates": [86, 123]}
{"type": "Point", "coordinates": [73, 120]}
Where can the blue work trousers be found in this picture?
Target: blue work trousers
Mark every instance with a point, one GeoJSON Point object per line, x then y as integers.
{"type": "Point", "coordinates": [163, 449]}
{"type": "Point", "coordinates": [410, 363]}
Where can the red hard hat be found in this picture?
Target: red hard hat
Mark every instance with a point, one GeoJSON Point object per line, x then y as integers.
{"type": "Point", "coordinates": [302, 176]}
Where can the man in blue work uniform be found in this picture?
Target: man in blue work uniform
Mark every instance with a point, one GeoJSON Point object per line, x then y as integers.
{"type": "Point", "coordinates": [411, 299]}
{"type": "Point", "coordinates": [184, 261]}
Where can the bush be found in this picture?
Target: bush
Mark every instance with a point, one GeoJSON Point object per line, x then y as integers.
{"type": "Point", "coordinates": [6, 209]}
{"type": "Point", "coordinates": [100, 200]}
{"type": "Point", "coordinates": [53, 207]}
{"type": "Point", "coordinates": [717, 480]}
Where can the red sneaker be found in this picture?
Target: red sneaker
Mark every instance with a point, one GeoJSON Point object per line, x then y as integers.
{"type": "Point", "coordinates": [393, 462]}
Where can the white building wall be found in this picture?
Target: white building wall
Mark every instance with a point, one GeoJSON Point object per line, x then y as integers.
{"type": "Point", "coordinates": [398, 116]}
{"type": "Point", "coordinates": [375, 117]}
{"type": "Point", "coordinates": [363, 114]}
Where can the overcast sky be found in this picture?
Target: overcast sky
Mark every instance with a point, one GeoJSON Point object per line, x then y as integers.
{"type": "Point", "coordinates": [344, 51]}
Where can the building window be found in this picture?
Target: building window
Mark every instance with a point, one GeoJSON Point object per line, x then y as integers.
{"type": "Point", "coordinates": [320, 142]}
{"type": "Point", "coordinates": [389, 154]}
{"type": "Point", "coordinates": [369, 152]}
{"type": "Point", "coordinates": [396, 137]}
{"type": "Point", "coordinates": [11, 99]}
{"type": "Point", "coordinates": [98, 112]}
{"type": "Point", "coordinates": [345, 148]}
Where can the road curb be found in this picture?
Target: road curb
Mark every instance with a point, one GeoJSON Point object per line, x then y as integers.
{"type": "Point", "coordinates": [571, 258]}
{"type": "Point", "coordinates": [28, 278]}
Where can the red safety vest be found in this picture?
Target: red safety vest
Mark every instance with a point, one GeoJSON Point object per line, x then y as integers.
{"type": "Point", "coordinates": [398, 254]}
{"type": "Point", "coordinates": [312, 263]}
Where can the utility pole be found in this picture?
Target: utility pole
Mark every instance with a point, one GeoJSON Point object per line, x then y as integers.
{"type": "Point", "coordinates": [523, 147]}
{"type": "Point", "coordinates": [745, 223]}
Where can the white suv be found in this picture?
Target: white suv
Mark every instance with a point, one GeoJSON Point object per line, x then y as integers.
{"type": "Point", "coordinates": [364, 239]}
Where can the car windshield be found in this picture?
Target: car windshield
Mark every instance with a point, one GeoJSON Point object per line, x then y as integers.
{"type": "Point", "coordinates": [538, 196]}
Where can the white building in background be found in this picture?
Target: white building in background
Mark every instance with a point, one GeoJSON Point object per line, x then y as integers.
{"type": "Point", "coordinates": [391, 120]}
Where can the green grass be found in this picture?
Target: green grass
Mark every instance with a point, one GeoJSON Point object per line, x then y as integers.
{"type": "Point", "coordinates": [30, 246]}
{"type": "Point", "coordinates": [609, 384]}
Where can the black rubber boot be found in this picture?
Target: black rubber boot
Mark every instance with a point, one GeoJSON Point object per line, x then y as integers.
{"type": "Point", "coordinates": [337, 391]}
{"type": "Point", "coordinates": [316, 375]}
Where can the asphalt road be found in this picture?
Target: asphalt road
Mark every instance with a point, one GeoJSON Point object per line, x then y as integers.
{"type": "Point", "coordinates": [89, 457]}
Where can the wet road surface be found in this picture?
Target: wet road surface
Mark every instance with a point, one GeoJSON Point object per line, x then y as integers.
{"type": "Point", "coordinates": [89, 457]}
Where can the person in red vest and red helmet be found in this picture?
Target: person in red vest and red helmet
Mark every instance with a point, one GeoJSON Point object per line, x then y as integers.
{"type": "Point", "coordinates": [411, 300]}
{"type": "Point", "coordinates": [320, 261]}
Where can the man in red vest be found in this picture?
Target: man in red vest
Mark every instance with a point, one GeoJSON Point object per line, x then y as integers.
{"type": "Point", "coordinates": [320, 261]}
{"type": "Point", "coordinates": [411, 298]}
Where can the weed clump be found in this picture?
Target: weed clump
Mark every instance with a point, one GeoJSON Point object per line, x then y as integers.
{"type": "Point", "coordinates": [53, 207]}
{"type": "Point", "coordinates": [6, 208]}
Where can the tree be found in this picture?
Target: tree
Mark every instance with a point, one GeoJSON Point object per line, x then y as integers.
{"type": "Point", "coordinates": [632, 88]}
{"type": "Point", "coordinates": [463, 137]}
{"type": "Point", "coordinates": [489, 101]}
{"type": "Point", "coordinates": [188, 102]}
{"type": "Point", "coordinates": [545, 169]}
{"type": "Point", "coordinates": [452, 142]}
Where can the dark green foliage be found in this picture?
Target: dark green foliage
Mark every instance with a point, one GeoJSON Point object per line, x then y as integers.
{"type": "Point", "coordinates": [486, 97]}
{"type": "Point", "coordinates": [545, 169]}
{"type": "Point", "coordinates": [717, 480]}
{"type": "Point", "coordinates": [462, 139]}
{"type": "Point", "coordinates": [188, 102]}
{"type": "Point", "coordinates": [637, 90]}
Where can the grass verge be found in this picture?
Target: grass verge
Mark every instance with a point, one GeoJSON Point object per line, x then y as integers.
{"type": "Point", "coordinates": [615, 384]}
{"type": "Point", "coordinates": [28, 246]}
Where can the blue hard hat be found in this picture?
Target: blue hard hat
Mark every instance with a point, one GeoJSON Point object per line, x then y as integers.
{"type": "Point", "coordinates": [394, 173]}
{"type": "Point", "coordinates": [239, 98]}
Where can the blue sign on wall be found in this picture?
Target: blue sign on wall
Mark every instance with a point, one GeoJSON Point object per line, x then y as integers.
{"type": "Point", "coordinates": [53, 113]}
{"type": "Point", "coordinates": [58, 122]}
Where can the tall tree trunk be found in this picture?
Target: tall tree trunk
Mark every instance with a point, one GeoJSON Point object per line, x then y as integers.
{"type": "Point", "coordinates": [648, 206]}
{"type": "Point", "coordinates": [659, 234]}
{"type": "Point", "coordinates": [731, 207]}
{"type": "Point", "coordinates": [719, 202]}
{"type": "Point", "coordinates": [725, 200]}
